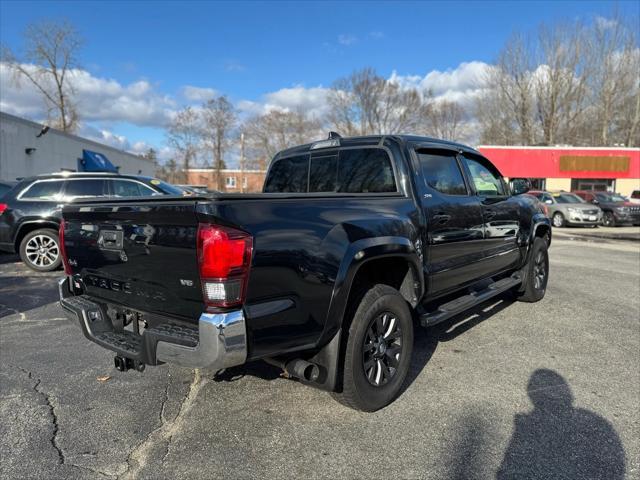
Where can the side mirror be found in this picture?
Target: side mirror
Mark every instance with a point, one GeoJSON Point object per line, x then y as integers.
{"type": "Point", "coordinates": [519, 186]}
{"type": "Point", "coordinates": [548, 202]}
{"type": "Point", "coordinates": [595, 202]}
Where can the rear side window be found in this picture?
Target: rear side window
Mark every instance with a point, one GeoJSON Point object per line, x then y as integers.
{"type": "Point", "coordinates": [45, 190]}
{"type": "Point", "coordinates": [366, 170]}
{"type": "Point", "coordinates": [126, 188]}
{"type": "Point", "coordinates": [288, 175]}
{"type": "Point", "coordinates": [90, 187]}
{"type": "Point", "coordinates": [442, 172]}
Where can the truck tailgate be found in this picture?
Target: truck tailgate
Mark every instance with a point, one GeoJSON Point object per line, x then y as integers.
{"type": "Point", "coordinates": [140, 254]}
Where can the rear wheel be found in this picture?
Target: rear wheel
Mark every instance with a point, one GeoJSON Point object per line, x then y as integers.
{"type": "Point", "coordinates": [558, 220]}
{"type": "Point", "coordinates": [608, 220]}
{"type": "Point", "coordinates": [536, 273]}
{"type": "Point", "coordinates": [378, 350]}
{"type": "Point", "coordinates": [40, 251]}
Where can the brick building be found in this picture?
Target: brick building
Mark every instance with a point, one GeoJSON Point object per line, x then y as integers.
{"type": "Point", "coordinates": [232, 181]}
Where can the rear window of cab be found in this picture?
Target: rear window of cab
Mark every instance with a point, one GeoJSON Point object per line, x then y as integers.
{"type": "Point", "coordinates": [358, 170]}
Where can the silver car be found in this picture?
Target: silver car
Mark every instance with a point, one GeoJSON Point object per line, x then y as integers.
{"type": "Point", "coordinates": [565, 208]}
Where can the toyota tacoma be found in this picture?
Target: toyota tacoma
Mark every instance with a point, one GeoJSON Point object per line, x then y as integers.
{"type": "Point", "coordinates": [352, 244]}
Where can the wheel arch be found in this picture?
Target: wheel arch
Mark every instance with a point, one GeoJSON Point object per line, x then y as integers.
{"type": "Point", "coordinates": [28, 227]}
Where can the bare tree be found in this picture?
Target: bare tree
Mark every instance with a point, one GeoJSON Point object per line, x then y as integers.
{"type": "Point", "coordinates": [560, 81]}
{"type": "Point", "coordinates": [267, 134]}
{"type": "Point", "coordinates": [184, 136]}
{"type": "Point", "coordinates": [51, 54]}
{"type": "Point", "coordinates": [445, 119]}
{"type": "Point", "coordinates": [506, 110]}
{"type": "Point", "coordinates": [365, 103]}
{"type": "Point", "coordinates": [219, 118]}
{"type": "Point", "coordinates": [613, 83]}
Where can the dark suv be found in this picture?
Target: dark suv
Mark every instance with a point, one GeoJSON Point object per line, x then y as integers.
{"type": "Point", "coordinates": [617, 209]}
{"type": "Point", "coordinates": [30, 212]}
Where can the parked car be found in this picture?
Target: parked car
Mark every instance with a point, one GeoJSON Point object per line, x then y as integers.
{"type": "Point", "coordinates": [30, 213]}
{"type": "Point", "coordinates": [194, 189]}
{"type": "Point", "coordinates": [5, 186]}
{"type": "Point", "coordinates": [617, 209]}
{"type": "Point", "coordinates": [565, 209]}
{"type": "Point", "coordinates": [635, 197]}
{"type": "Point", "coordinates": [322, 275]}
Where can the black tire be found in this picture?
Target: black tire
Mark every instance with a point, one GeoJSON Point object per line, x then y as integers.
{"type": "Point", "coordinates": [536, 274]}
{"type": "Point", "coordinates": [40, 250]}
{"type": "Point", "coordinates": [558, 220]}
{"type": "Point", "coordinates": [380, 336]}
{"type": "Point", "coordinates": [608, 219]}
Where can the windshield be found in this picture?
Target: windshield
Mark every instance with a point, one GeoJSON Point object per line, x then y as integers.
{"type": "Point", "coordinates": [568, 198]}
{"type": "Point", "coordinates": [165, 187]}
{"type": "Point", "coordinates": [610, 197]}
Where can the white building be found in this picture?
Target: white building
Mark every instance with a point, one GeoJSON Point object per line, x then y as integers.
{"type": "Point", "coordinates": [25, 151]}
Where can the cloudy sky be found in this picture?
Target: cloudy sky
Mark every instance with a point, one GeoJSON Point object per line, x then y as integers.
{"type": "Point", "coordinates": [142, 61]}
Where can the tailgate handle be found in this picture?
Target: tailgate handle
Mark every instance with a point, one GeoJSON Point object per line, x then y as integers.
{"type": "Point", "coordinates": [110, 239]}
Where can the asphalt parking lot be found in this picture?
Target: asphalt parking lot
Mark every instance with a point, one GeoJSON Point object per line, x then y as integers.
{"type": "Point", "coordinates": [546, 390]}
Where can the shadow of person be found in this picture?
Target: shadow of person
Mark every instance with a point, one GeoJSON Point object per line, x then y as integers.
{"type": "Point", "coordinates": [557, 440]}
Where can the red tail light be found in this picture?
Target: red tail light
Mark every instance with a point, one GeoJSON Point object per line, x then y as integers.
{"type": "Point", "coordinates": [224, 258]}
{"type": "Point", "coordinates": [3, 207]}
{"type": "Point", "coordinates": [63, 251]}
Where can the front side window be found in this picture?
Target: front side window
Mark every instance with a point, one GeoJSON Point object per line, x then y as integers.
{"type": "Point", "coordinates": [442, 173]}
{"type": "Point", "coordinates": [90, 187]}
{"type": "Point", "coordinates": [486, 180]}
{"type": "Point", "coordinates": [126, 188]}
{"type": "Point", "coordinates": [45, 190]}
{"type": "Point", "coordinates": [366, 170]}
{"type": "Point", "coordinates": [288, 175]}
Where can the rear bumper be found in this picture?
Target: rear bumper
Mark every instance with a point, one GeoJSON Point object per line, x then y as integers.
{"type": "Point", "coordinates": [219, 342]}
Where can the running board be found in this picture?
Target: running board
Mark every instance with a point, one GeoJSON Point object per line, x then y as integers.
{"type": "Point", "coordinates": [465, 302]}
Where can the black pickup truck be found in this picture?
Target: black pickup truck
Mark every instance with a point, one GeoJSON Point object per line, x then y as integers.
{"type": "Point", "coordinates": [353, 243]}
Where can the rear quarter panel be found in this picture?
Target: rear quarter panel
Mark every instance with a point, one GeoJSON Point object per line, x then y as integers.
{"type": "Point", "coordinates": [299, 247]}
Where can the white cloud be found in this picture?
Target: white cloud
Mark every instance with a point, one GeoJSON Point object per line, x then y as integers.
{"type": "Point", "coordinates": [198, 94]}
{"type": "Point", "coordinates": [605, 23]}
{"type": "Point", "coordinates": [232, 66]}
{"type": "Point", "coordinates": [347, 39]}
{"type": "Point", "coordinates": [312, 100]}
{"type": "Point", "coordinates": [462, 84]}
{"type": "Point", "coordinates": [97, 99]}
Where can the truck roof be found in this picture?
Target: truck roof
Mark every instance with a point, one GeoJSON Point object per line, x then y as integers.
{"type": "Point", "coordinates": [377, 139]}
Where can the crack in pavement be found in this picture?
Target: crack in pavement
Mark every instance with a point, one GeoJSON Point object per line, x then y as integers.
{"type": "Point", "coordinates": [139, 456]}
{"type": "Point", "coordinates": [11, 311]}
{"type": "Point", "coordinates": [54, 437]}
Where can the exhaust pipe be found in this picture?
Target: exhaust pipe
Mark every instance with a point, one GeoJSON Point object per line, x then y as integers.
{"type": "Point", "coordinates": [297, 368]}
{"type": "Point", "coordinates": [302, 369]}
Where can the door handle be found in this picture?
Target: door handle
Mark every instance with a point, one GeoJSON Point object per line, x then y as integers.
{"type": "Point", "coordinates": [441, 219]}
{"type": "Point", "coordinates": [489, 214]}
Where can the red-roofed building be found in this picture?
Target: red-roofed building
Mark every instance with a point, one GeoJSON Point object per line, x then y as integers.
{"type": "Point", "coordinates": [570, 168]}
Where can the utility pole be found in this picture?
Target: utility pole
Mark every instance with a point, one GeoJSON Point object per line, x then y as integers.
{"type": "Point", "coordinates": [242, 162]}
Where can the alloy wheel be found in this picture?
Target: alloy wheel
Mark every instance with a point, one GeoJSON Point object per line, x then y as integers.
{"type": "Point", "coordinates": [382, 349]}
{"type": "Point", "coordinates": [557, 220]}
{"type": "Point", "coordinates": [539, 271]}
{"type": "Point", "coordinates": [42, 251]}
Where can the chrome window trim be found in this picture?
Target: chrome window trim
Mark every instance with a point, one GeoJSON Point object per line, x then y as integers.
{"type": "Point", "coordinates": [131, 180]}
{"type": "Point", "coordinates": [42, 199]}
